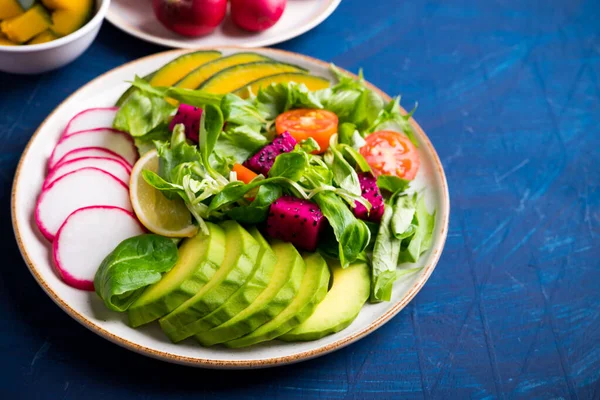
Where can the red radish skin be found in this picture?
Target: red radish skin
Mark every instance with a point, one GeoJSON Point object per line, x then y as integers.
{"type": "Point", "coordinates": [91, 118]}
{"type": "Point", "coordinates": [110, 139]}
{"type": "Point", "coordinates": [256, 15]}
{"type": "Point", "coordinates": [114, 167]}
{"type": "Point", "coordinates": [191, 18]}
{"type": "Point", "coordinates": [87, 152]}
{"type": "Point", "coordinates": [86, 237]}
{"type": "Point", "coordinates": [82, 188]}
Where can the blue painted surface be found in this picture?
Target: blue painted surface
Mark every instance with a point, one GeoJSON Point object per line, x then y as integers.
{"type": "Point", "coordinates": [509, 93]}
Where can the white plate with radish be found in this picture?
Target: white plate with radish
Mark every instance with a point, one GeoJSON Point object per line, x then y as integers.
{"type": "Point", "coordinates": [71, 206]}
{"type": "Point", "coordinates": [204, 23]}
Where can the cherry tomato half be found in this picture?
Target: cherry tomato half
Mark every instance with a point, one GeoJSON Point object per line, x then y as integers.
{"type": "Point", "coordinates": [304, 123]}
{"type": "Point", "coordinates": [391, 153]}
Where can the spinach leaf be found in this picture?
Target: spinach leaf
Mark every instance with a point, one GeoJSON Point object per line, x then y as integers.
{"type": "Point", "coordinates": [417, 244]}
{"type": "Point", "coordinates": [385, 259]}
{"type": "Point", "coordinates": [351, 233]}
{"type": "Point", "coordinates": [141, 113]}
{"type": "Point", "coordinates": [392, 184]}
{"type": "Point", "coordinates": [291, 165]}
{"type": "Point", "coordinates": [134, 264]}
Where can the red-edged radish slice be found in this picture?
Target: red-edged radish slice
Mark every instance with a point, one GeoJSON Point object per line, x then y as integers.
{"type": "Point", "coordinates": [111, 139]}
{"type": "Point", "coordinates": [114, 167]}
{"type": "Point", "coordinates": [86, 152]}
{"type": "Point", "coordinates": [91, 119]}
{"type": "Point", "coordinates": [86, 237]}
{"type": "Point", "coordinates": [82, 188]}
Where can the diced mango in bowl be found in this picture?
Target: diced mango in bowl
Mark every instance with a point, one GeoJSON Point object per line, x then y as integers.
{"type": "Point", "coordinates": [28, 22]}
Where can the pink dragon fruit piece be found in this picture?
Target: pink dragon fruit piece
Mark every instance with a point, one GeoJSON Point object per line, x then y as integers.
{"type": "Point", "coordinates": [370, 191]}
{"type": "Point", "coordinates": [189, 116]}
{"type": "Point", "coordinates": [297, 221]}
{"type": "Point", "coordinates": [262, 161]}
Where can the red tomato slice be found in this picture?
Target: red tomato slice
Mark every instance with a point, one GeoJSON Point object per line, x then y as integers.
{"type": "Point", "coordinates": [391, 153]}
{"type": "Point", "coordinates": [305, 122]}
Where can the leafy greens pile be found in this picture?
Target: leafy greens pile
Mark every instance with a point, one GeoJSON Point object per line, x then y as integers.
{"type": "Point", "coordinates": [233, 128]}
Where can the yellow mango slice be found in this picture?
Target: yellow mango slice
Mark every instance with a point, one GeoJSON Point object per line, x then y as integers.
{"type": "Point", "coordinates": [4, 41]}
{"type": "Point", "coordinates": [174, 71]}
{"type": "Point", "coordinates": [312, 82]}
{"type": "Point", "coordinates": [195, 78]}
{"type": "Point", "coordinates": [27, 25]}
{"type": "Point", "coordinates": [44, 37]}
{"type": "Point", "coordinates": [233, 78]}
{"type": "Point", "coordinates": [10, 9]}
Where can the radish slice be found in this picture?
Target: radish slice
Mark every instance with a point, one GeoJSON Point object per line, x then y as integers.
{"type": "Point", "coordinates": [91, 119]}
{"type": "Point", "coordinates": [87, 236]}
{"type": "Point", "coordinates": [111, 139]}
{"type": "Point", "coordinates": [113, 167]}
{"type": "Point", "coordinates": [82, 188]}
{"type": "Point", "coordinates": [86, 152]}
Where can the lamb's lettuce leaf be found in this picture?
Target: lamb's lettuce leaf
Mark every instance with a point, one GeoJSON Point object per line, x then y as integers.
{"type": "Point", "coordinates": [392, 184]}
{"type": "Point", "coordinates": [385, 259]}
{"type": "Point", "coordinates": [257, 210]}
{"type": "Point", "coordinates": [390, 118]}
{"type": "Point", "coordinates": [415, 245]}
{"type": "Point", "coordinates": [352, 234]}
{"type": "Point", "coordinates": [134, 264]}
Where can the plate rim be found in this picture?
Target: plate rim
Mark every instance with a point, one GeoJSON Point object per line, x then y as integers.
{"type": "Point", "coordinates": [173, 43]}
{"type": "Point", "coordinates": [239, 364]}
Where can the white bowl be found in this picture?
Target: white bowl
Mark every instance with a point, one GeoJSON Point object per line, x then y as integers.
{"type": "Point", "coordinates": [38, 58]}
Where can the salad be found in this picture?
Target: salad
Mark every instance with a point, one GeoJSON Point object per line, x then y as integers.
{"type": "Point", "coordinates": [270, 211]}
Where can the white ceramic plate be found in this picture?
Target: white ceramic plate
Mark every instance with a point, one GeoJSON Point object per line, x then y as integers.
{"type": "Point", "coordinates": [87, 308]}
{"type": "Point", "coordinates": [137, 18]}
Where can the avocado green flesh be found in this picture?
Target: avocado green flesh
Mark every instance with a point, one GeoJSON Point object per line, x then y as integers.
{"type": "Point", "coordinates": [263, 272]}
{"type": "Point", "coordinates": [312, 290]}
{"type": "Point", "coordinates": [338, 309]}
{"type": "Point", "coordinates": [282, 289]}
{"type": "Point", "coordinates": [241, 252]}
{"type": "Point", "coordinates": [199, 258]}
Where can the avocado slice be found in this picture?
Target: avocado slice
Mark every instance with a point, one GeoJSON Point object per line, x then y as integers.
{"type": "Point", "coordinates": [263, 272]}
{"type": "Point", "coordinates": [337, 310]}
{"type": "Point", "coordinates": [241, 252]}
{"type": "Point", "coordinates": [312, 290]}
{"type": "Point", "coordinates": [199, 259]}
{"type": "Point", "coordinates": [280, 292]}
{"type": "Point", "coordinates": [233, 78]}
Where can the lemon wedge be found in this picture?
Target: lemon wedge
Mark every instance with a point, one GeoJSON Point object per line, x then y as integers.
{"type": "Point", "coordinates": [158, 214]}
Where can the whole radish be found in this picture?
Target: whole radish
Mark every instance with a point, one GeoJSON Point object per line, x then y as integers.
{"type": "Point", "coordinates": [190, 17]}
{"type": "Point", "coordinates": [256, 15]}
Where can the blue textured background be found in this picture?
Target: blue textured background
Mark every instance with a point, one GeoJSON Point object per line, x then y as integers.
{"type": "Point", "coordinates": [509, 93]}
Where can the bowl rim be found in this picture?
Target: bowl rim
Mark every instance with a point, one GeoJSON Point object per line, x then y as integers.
{"type": "Point", "coordinates": [241, 364]}
{"type": "Point", "coordinates": [84, 30]}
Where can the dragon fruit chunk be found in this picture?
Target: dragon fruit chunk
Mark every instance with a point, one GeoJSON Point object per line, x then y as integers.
{"type": "Point", "coordinates": [263, 160]}
{"type": "Point", "coordinates": [189, 116]}
{"type": "Point", "coordinates": [297, 221]}
{"type": "Point", "coordinates": [370, 191]}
